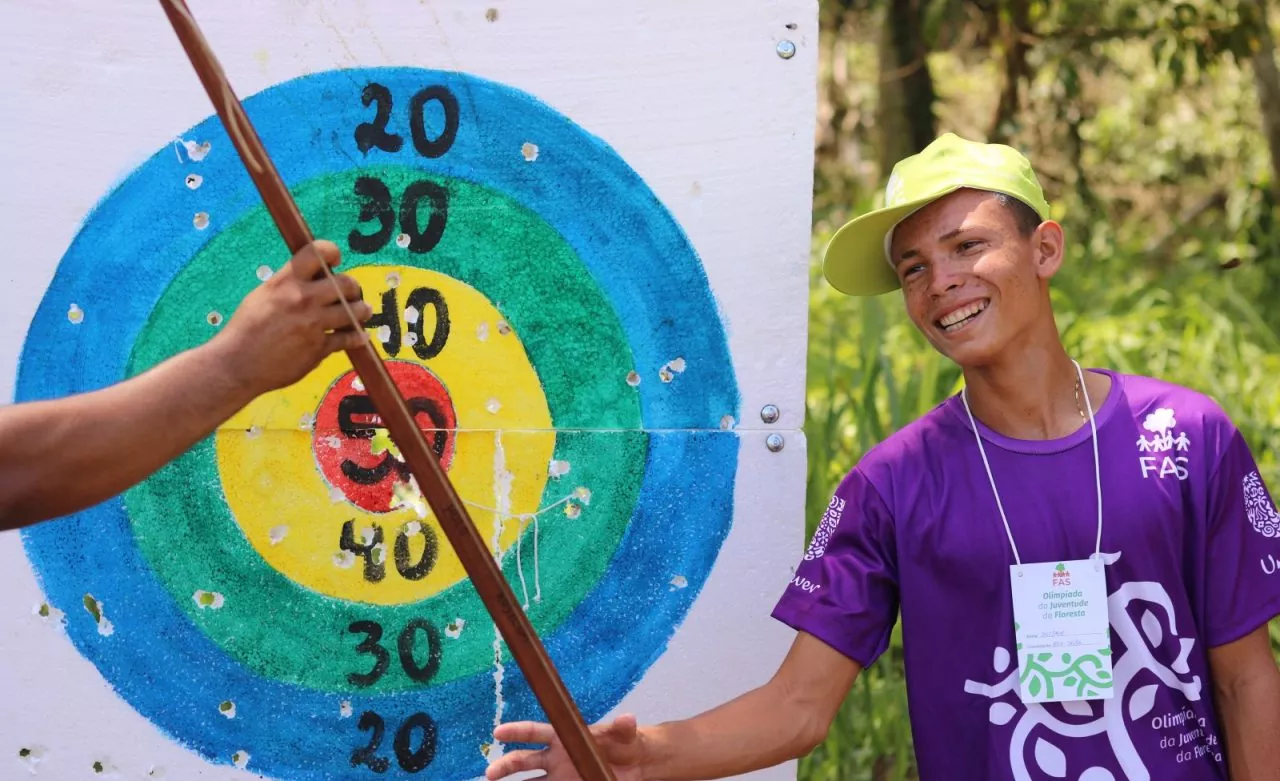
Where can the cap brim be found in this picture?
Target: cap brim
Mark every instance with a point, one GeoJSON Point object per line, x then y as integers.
{"type": "Point", "coordinates": [854, 261]}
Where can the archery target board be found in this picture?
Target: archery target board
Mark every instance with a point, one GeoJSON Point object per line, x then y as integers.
{"type": "Point", "coordinates": [584, 231]}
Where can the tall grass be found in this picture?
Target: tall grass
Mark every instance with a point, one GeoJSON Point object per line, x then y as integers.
{"type": "Point", "coordinates": [871, 372]}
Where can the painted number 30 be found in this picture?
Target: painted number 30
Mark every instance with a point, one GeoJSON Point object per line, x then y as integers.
{"type": "Point", "coordinates": [410, 759]}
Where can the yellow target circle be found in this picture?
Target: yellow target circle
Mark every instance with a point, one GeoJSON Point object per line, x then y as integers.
{"type": "Point", "coordinates": [318, 489]}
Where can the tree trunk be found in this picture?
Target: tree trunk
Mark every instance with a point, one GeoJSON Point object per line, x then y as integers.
{"type": "Point", "coordinates": [837, 141]}
{"type": "Point", "coordinates": [905, 110]}
{"type": "Point", "coordinates": [1016, 26]}
{"type": "Point", "coordinates": [1267, 78]}
{"type": "Point", "coordinates": [833, 92]}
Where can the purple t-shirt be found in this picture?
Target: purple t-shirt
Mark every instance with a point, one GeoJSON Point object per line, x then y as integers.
{"type": "Point", "coordinates": [1192, 543]}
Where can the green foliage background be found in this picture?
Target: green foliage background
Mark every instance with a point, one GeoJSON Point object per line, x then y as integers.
{"type": "Point", "coordinates": [1146, 120]}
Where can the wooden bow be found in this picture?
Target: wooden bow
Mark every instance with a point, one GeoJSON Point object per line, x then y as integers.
{"type": "Point", "coordinates": [479, 563]}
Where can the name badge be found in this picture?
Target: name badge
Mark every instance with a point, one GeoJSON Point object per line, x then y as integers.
{"type": "Point", "coordinates": [1062, 630]}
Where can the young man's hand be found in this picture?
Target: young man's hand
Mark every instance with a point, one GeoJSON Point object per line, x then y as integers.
{"type": "Point", "coordinates": [287, 325]}
{"type": "Point", "coordinates": [780, 720]}
{"type": "Point", "coordinates": [619, 742]}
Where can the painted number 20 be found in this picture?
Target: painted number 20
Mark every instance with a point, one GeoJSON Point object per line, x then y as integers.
{"type": "Point", "coordinates": [374, 134]}
{"type": "Point", "coordinates": [411, 760]}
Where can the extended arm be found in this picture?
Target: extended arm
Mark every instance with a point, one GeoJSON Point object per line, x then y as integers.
{"type": "Point", "coordinates": [1247, 694]}
{"type": "Point", "coordinates": [62, 455]}
{"type": "Point", "coordinates": [782, 719]}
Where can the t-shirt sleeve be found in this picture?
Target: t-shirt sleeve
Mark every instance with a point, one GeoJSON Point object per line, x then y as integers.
{"type": "Point", "coordinates": [845, 590]}
{"type": "Point", "coordinates": [1242, 578]}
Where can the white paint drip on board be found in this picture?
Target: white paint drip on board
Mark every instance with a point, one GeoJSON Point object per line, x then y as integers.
{"type": "Point", "coordinates": [502, 482]}
{"type": "Point", "coordinates": [572, 510]}
{"type": "Point", "coordinates": [537, 583]}
{"type": "Point", "coordinates": [524, 588]}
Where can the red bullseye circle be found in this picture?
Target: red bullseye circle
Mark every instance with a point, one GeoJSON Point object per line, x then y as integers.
{"type": "Point", "coordinates": [346, 424]}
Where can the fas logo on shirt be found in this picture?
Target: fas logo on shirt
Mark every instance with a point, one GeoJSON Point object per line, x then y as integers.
{"type": "Point", "coordinates": [1168, 450]}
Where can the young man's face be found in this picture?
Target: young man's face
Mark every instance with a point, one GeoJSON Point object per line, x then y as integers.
{"type": "Point", "coordinates": [971, 281]}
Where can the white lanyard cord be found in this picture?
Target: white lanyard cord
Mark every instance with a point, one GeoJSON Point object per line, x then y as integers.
{"type": "Point", "coordinates": [1097, 467]}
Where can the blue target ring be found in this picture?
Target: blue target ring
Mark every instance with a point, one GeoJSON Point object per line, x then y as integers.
{"type": "Point", "coordinates": [166, 667]}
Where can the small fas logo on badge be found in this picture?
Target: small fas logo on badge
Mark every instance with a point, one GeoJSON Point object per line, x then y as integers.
{"type": "Point", "coordinates": [1167, 446]}
{"type": "Point", "coordinates": [1061, 576]}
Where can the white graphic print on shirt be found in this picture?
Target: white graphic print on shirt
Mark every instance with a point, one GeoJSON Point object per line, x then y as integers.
{"type": "Point", "coordinates": [826, 527]}
{"type": "Point", "coordinates": [1258, 507]}
{"type": "Point", "coordinates": [1183, 734]}
{"type": "Point", "coordinates": [1173, 447]}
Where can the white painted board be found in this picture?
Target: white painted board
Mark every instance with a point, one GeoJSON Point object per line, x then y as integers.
{"type": "Point", "coordinates": [651, 163]}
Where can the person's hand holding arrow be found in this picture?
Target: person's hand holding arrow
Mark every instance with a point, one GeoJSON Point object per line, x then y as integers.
{"type": "Point", "coordinates": [60, 456]}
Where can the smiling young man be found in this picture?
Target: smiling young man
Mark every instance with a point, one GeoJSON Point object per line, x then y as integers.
{"type": "Point", "coordinates": [1084, 562]}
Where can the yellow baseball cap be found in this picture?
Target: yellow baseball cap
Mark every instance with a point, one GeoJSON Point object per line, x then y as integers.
{"type": "Point", "coordinates": [856, 260]}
